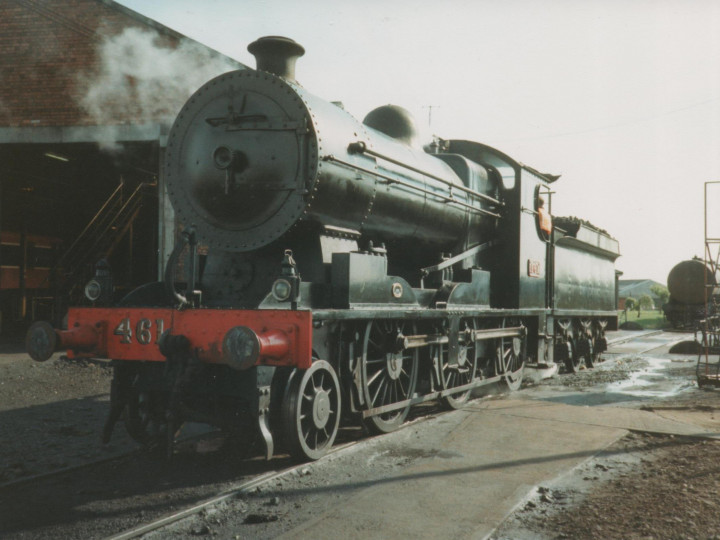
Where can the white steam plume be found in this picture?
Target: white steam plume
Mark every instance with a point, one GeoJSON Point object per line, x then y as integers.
{"type": "Point", "coordinates": [142, 80]}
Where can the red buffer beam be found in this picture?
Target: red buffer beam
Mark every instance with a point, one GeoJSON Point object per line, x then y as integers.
{"type": "Point", "coordinates": [238, 338]}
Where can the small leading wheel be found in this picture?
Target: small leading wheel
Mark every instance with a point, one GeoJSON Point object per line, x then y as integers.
{"type": "Point", "coordinates": [460, 373]}
{"type": "Point", "coordinates": [389, 373]}
{"type": "Point", "coordinates": [311, 411]}
{"type": "Point", "coordinates": [511, 360]}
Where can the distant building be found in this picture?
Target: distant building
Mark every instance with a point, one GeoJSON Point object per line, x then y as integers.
{"type": "Point", "coordinates": [635, 288]}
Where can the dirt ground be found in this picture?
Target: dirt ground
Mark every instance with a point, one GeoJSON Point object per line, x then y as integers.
{"type": "Point", "coordinates": [51, 413]}
{"type": "Point", "coordinates": [642, 487]}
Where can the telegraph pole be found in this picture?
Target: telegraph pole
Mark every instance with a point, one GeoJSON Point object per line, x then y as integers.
{"type": "Point", "coordinates": [430, 109]}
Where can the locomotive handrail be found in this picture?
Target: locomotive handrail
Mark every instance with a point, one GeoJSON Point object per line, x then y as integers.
{"type": "Point", "coordinates": [361, 148]}
{"type": "Point", "coordinates": [98, 215]}
{"type": "Point", "coordinates": [392, 180]}
{"type": "Point", "coordinates": [457, 258]}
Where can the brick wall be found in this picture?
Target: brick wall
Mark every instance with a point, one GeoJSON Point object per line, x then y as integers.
{"type": "Point", "coordinates": [46, 44]}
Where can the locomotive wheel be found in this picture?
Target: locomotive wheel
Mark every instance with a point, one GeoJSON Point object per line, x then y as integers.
{"type": "Point", "coordinates": [575, 359]}
{"type": "Point", "coordinates": [460, 374]}
{"type": "Point", "coordinates": [279, 388]}
{"type": "Point", "coordinates": [311, 411]}
{"type": "Point", "coordinates": [589, 354]}
{"type": "Point", "coordinates": [511, 360]}
{"type": "Point", "coordinates": [388, 374]}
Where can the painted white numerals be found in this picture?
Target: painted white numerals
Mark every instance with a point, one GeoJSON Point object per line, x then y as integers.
{"type": "Point", "coordinates": [144, 330]}
{"type": "Point", "coordinates": [123, 329]}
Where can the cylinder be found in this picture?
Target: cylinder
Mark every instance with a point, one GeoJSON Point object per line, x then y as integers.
{"type": "Point", "coordinates": [686, 282]}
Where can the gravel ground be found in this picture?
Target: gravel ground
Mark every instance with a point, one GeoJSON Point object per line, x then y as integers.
{"type": "Point", "coordinates": [616, 370]}
{"type": "Point", "coordinates": [644, 486]}
{"type": "Point", "coordinates": [312, 490]}
{"type": "Point", "coordinates": [52, 413]}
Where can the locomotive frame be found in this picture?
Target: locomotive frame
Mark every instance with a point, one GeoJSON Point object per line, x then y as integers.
{"type": "Point", "coordinates": [431, 279]}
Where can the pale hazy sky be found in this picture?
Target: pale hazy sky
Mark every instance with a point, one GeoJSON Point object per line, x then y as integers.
{"type": "Point", "coordinates": [621, 97]}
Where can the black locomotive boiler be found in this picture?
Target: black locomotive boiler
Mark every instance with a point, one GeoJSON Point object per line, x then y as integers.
{"type": "Point", "coordinates": [346, 273]}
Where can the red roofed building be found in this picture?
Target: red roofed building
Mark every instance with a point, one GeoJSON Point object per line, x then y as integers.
{"type": "Point", "coordinates": [88, 90]}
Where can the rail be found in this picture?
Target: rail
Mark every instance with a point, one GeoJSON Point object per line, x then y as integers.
{"type": "Point", "coordinates": [391, 180]}
{"type": "Point", "coordinates": [98, 239]}
{"type": "Point", "coordinates": [361, 148]}
{"type": "Point", "coordinates": [96, 219]}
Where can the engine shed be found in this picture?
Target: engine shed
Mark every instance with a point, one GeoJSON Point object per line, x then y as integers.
{"type": "Point", "coordinates": [84, 116]}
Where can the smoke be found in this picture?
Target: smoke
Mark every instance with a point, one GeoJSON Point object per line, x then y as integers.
{"type": "Point", "coordinates": [143, 79]}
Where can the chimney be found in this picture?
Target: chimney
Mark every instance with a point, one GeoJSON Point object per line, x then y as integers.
{"type": "Point", "coordinates": [277, 55]}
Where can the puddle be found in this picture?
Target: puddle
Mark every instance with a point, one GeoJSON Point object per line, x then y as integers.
{"type": "Point", "coordinates": [651, 382]}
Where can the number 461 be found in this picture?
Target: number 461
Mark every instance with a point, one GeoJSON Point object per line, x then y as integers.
{"type": "Point", "coordinates": [143, 330]}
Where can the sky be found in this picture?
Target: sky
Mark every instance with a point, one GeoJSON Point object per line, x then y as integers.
{"type": "Point", "coordinates": [620, 97]}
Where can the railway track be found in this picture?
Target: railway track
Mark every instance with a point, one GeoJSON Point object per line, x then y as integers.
{"type": "Point", "coordinates": [234, 492]}
{"type": "Point", "coordinates": [673, 338]}
{"type": "Point", "coordinates": [272, 476]}
{"type": "Point", "coordinates": [67, 470]}
{"type": "Point", "coordinates": [81, 467]}
{"type": "Point", "coordinates": [122, 487]}
{"type": "Point", "coordinates": [133, 520]}
{"type": "Point", "coordinates": [418, 415]}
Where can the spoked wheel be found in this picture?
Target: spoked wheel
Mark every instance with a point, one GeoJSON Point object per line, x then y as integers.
{"type": "Point", "coordinates": [311, 411]}
{"type": "Point", "coordinates": [388, 371]}
{"type": "Point", "coordinates": [574, 360]}
{"type": "Point", "coordinates": [510, 356]}
{"type": "Point", "coordinates": [585, 344]}
{"type": "Point", "coordinates": [461, 372]}
{"type": "Point", "coordinates": [587, 353]}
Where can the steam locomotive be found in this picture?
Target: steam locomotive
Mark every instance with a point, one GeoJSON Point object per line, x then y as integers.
{"type": "Point", "coordinates": [333, 270]}
{"type": "Point", "coordinates": [694, 293]}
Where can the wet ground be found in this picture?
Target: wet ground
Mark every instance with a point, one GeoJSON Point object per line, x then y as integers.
{"type": "Point", "coordinates": [632, 372]}
{"type": "Point", "coordinates": [639, 375]}
{"type": "Point", "coordinates": [645, 485]}
{"type": "Point", "coordinates": [503, 449]}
